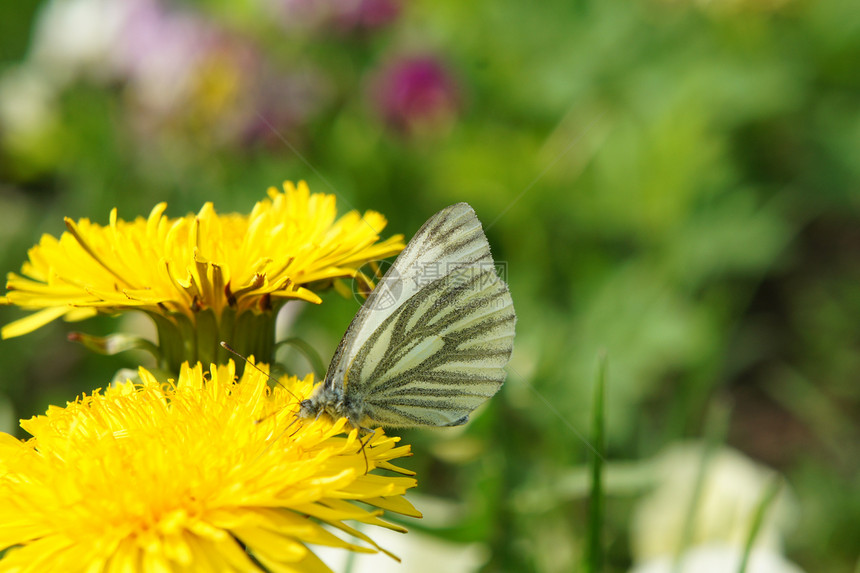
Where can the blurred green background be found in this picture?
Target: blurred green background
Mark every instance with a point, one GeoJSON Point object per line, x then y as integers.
{"type": "Point", "coordinates": [674, 182]}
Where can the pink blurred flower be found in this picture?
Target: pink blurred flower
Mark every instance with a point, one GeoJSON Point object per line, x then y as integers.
{"type": "Point", "coordinates": [416, 95]}
{"type": "Point", "coordinates": [159, 51]}
{"type": "Point", "coordinates": [283, 104]}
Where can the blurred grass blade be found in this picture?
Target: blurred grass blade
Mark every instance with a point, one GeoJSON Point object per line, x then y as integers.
{"type": "Point", "coordinates": [350, 562]}
{"type": "Point", "coordinates": [308, 351]}
{"type": "Point", "coordinates": [594, 547]}
{"type": "Point", "coordinates": [767, 498]}
{"type": "Point", "coordinates": [822, 415]}
{"type": "Point", "coordinates": [715, 431]}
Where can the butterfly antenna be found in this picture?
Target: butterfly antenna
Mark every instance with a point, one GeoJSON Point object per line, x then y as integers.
{"type": "Point", "coordinates": [260, 370]}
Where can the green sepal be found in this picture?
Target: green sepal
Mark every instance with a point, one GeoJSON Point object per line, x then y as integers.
{"type": "Point", "coordinates": [115, 343]}
{"type": "Point", "coordinates": [309, 352]}
{"type": "Point", "coordinates": [198, 338]}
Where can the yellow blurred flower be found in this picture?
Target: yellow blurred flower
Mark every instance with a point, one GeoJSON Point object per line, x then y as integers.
{"type": "Point", "coordinates": [207, 474]}
{"type": "Point", "coordinates": [203, 278]}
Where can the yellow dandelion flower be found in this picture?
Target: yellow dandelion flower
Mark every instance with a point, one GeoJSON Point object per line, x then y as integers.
{"type": "Point", "coordinates": [205, 474]}
{"type": "Point", "coordinates": [203, 278]}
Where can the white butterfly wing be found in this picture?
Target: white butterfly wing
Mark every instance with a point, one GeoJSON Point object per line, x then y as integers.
{"type": "Point", "coordinates": [431, 341]}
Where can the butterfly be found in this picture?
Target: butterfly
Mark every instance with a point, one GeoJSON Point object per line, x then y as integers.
{"type": "Point", "coordinates": [430, 343]}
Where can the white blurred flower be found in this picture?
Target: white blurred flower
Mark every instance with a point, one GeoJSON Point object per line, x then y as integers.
{"type": "Point", "coordinates": [78, 37]}
{"type": "Point", "coordinates": [719, 559]}
{"type": "Point", "coordinates": [732, 490]}
{"type": "Point", "coordinates": [418, 553]}
{"type": "Point", "coordinates": [138, 41]}
{"type": "Point", "coordinates": [26, 103]}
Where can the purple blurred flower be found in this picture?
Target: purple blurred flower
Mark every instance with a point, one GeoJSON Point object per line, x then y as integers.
{"type": "Point", "coordinates": [416, 95]}
{"type": "Point", "coordinates": [341, 15]}
{"type": "Point", "coordinates": [365, 15]}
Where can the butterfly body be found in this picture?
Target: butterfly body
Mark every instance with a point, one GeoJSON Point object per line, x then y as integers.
{"type": "Point", "coordinates": [430, 343]}
{"type": "Point", "coordinates": [331, 401]}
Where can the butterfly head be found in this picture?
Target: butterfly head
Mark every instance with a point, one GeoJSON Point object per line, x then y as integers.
{"type": "Point", "coordinates": [309, 409]}
{"type": "Point", "coordinates": [331, 401]}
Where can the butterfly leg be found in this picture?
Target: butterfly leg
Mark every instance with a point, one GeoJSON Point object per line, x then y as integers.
{"type": "Point", "coordinates": [299, 427]}
{"type": "Point", "coordinates": [364, 444]}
